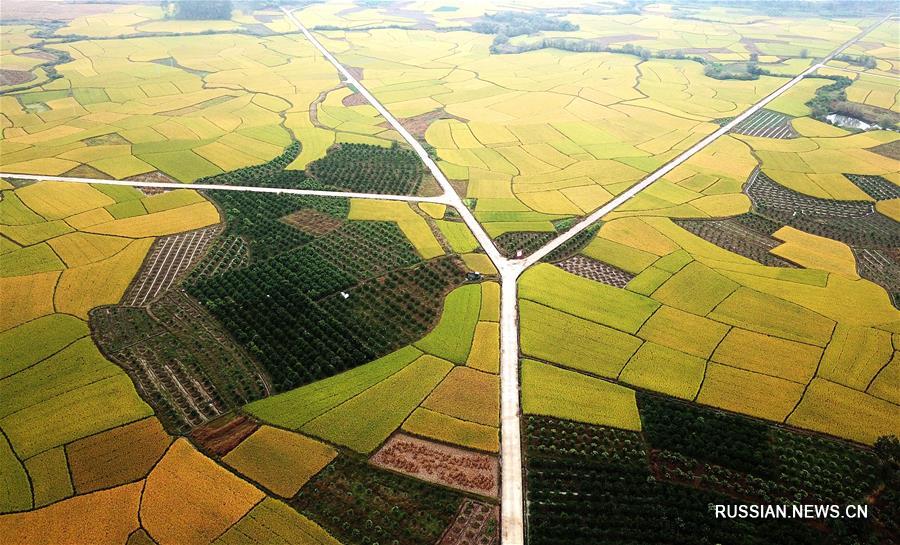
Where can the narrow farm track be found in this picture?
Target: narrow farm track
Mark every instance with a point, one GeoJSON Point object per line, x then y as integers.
{"type": "Point", "coordinates": [216, 187]}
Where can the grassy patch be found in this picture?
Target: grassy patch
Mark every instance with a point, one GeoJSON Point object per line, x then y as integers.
{"type": "Point", "coordinates": [279, 460]}
{"type": "Point", "coordinates": [588, 346]}
{"type": "Point", "coordinates": [365, 421]}
{"type": "Point", "coordinates": [297, 407]}
{"type": "Point", "coordinates": [550, 391]}
{"type": "Point", "coordinates": [451, 339]}
{"type": "Point", "coordinates": [600, 303]}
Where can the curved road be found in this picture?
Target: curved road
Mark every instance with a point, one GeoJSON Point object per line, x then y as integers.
{"type": "Point", "coordinates": [512, 500]}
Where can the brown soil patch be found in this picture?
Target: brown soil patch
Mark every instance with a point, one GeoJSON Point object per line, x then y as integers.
{"type": "Point", "coordinates": [117, 456]}
{"type": "Point", "coordinates": [438, 463]}
{"type": "Point", "coordinates": [14, 77]}
{"type": "Point", "coordinates": [356, 99]}
{"type": "Point", "coordinates": [86, 171]}
{"type": "Point", "coordinates": [430, 187]}
{"type": "Point", "coordinates": [476, 523]}
{"type": "Point", "coordinates": [155, 177]}
{"type": "Point", "coordinates": [312, 221]}
{"type": "Point", "coordinates": [417, 125]}
{"type": "Point", "coordinates": [356, 72]}
{"type": "Point", "coordinates": [891, 149]}
{"type": "Point", "coordinates": [220, 436]}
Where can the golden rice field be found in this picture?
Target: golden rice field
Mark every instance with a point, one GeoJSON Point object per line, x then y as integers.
{"type": "Point", "coordinates": [186, 106]}
{"type": "Point", "coordinates": [705, 324]}
{"type": "Point", "coordinates": [796, 323]}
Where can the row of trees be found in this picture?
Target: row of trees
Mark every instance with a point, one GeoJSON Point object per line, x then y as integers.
{"type": "Point", "coordinates": [591, 484]}
{"type": "Point", "coordinates": [853, 222]}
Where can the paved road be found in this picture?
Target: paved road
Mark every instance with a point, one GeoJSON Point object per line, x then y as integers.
{"type": "Point", "coordinates": [512, 519]}
{"type": "Point", "coordinates": [452, 197]}
{"type": "Point", "coordinates": [253, 189]}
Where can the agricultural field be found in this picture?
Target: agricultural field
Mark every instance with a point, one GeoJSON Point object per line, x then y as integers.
{"type": "Point", "coordinates": [432, 272]}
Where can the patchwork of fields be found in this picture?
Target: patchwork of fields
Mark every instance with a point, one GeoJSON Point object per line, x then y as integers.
{"type": "Point", "coordinates": [310, 347]}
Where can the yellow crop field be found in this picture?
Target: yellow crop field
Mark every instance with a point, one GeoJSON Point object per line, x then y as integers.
{"type": "Point", "coordinates": [485, 352]}
{"type": "Point", "coordinates": [77, 249]}
{"type": "Point", "coordinates": [697, 289]}
{"type": "Point", "coordinates": [26, 235]}
{"type": "Point", "coordinates": [837, 410]}
{"type": "Point", "coordinates": [767, 314]}
{"type": "Point", "coordinates": [280, 460]}
{"type": "Point", "coordinates": [467, 394]}
{"type": "Point", "coordinates": [590, 347]}
{"type": "Point", "coordinates": [104, 282]}
{"type": "Point", "coordinates": [479, 263]}
{"type": "Point", "coordinates": [25, 298]}
{"type": "Point", "coordinates": [855, 356]}
{"type": "Point", "coordinates": [178, 104]}
{"type": "Point", "coordinates": [271, 521]}
{"type": "Point", "coordinates": [683, 331]}
{"type": "Point", "coordinates": [413, 225]}
{"type": "Point", "coordinates": [208, 498]}
{"type": "Point", "coordinates": [105, 516]}
{"type": "Point", "coordinates": [885, 384]}
{"type": "Point", "coordinates": [815, 252]}
{"type": "Point", "coordinates": [551, 391]}
{"type": "Point", "coordinates": [768, 355]}
{"type": "Point", "coordinates": [442, 427]}
{"type": "Point", "coordinates": [49, 474]}
{"type": "Point", "coordinates": [750, 393]}
{"type": "Point", "coordinates": [365, 421]}
{"type": "Point", "coordinates": [163, 223]}
{"type": "Point", "coordinates": [661, 369]}
{"type": "Point", "coordinates": [57, 200]}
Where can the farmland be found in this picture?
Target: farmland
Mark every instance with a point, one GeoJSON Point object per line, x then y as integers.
{"type": "Point", "coordinates": [444, 273]}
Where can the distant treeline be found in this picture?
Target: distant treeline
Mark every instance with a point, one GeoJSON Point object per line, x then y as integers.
{"type": "Point", "coordinates": [506, 24]}
{"type": "Point", "coordinates": [198, 9]}
{"type": "Point", "coordinates": [820, 8]}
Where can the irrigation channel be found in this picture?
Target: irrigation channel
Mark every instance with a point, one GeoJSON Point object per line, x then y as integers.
{"type": "Point", "coordinates": [512, 528]}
